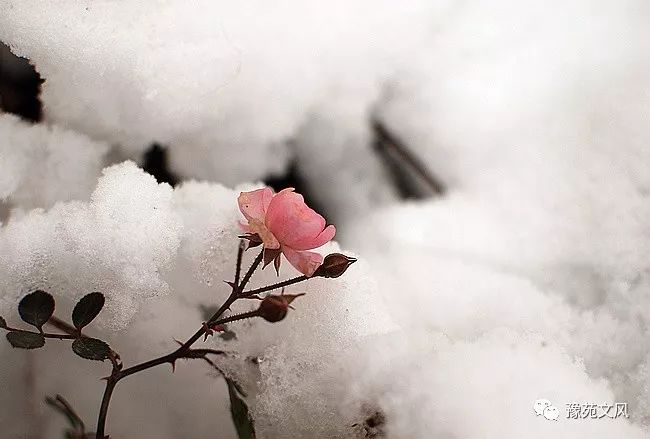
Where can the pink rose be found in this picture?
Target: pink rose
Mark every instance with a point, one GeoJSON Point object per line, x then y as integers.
{"type": "Point", "coordinates": [285, 225]}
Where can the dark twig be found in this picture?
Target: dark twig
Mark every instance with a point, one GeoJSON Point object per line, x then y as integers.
{"type": "Point", "coordinates": [31, 407]}
{"type": "Point", "coordinates": [58, 336]}
{"type": "Point", "coordinates": [275, 286]}
{"type": "Point", "coordinates": [240, 255]}
{"type": "Point", "coordinates": [214, 365]}
{"type": "Point", "coordinates": [44, 334]}
{"type": "Point", "coordinates": [63, 326]}
{"type": "Point", "coordinates": [179, 353]}
{"type": "Point", "coordinates": [60, 404]}
{"type": "Point", "coordinates": [239, 288]}
{"type": "Point", "coordinates": [237, 317]}
{"type": "Point", "coordinates": [390, 141]}
{"type": "Point", "coordinates": [111, 382]}
{"type": "Point", "coordinates": [200, 353]}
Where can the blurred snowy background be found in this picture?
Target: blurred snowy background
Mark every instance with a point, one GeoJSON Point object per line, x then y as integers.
{"type": "Point", "coordinates": [489, 163]}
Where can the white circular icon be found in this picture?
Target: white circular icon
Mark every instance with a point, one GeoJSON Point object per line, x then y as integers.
{"type": "Point", "coordinates": [540, 405]}
{"type": "Point", "coordinates": [551, 413]}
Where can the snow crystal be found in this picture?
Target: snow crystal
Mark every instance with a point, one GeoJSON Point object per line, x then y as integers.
{"type": "Point", "coordinates": [118, 243]}
{"type": "Point", "coordinates": [137, 241]}
{"type": "Point", "coordinates": [464, 285]}
{"type": "Point", "coordinates": [224, 85]}
{"type": "Point", "coordinates": [538, 127]}
{"type": "Point", "coordinates": [527, 280]}
{"type": "Point", "coordinates": [45, 164]}
{"type": "Point", "coordinates": [300, 371]}
{"type": "Point", "coordinates": [484, 388]}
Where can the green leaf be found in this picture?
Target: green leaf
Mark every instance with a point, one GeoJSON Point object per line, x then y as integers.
{"type": "Point", "coordinates": [36, 308]}
{"type": "Point", "coordinates": [87, 309]}
{"type": "Point", "coordinates": [91, 349]}
{"type": "Point", "coordinates": [25, 339]}
{"type": "Point", "coordinates": [241, 417]}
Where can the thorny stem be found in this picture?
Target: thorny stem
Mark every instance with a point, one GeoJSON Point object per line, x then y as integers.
{"type": "Point", "coordinates": [71, 333]}
{"type": "Point", "coordinates": [44, 334]}
{"type": "Point", "coordinates": [237, 290]}
{"type": "Point", "coordinates": [237, 317]}
{"type": "Point", "coordinates": [201, 353]}
{"type": "Point", "coordinates": [182, 352]}
{"type": "Point", "coordinates": [111, 382]}
{"type": "Point", "coordinates": [285, 283]}
{"type": "Point", "coordinates": [240, 255]}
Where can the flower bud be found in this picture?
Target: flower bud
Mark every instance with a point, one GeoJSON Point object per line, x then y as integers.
{"type": "Point", "coordinates": [334, 265]}
{"type": "Point", "coordinates": [274, 308]}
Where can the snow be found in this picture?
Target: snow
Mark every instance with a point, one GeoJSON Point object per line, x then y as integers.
{"type": "Point", "coordinates": [190, 77]}
{"type": "Point", "coordinates": [527, 279]}
{"type": "Point", "coordinates": [159, 254]}
{"type": "Point", "coordinates": [44, 164]}
{"type": "Point", "coordinates": [486, 389]}
{"type": "Point", "coordinates": [117, 243]}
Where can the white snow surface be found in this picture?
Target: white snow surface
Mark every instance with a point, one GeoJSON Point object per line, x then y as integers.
{"type": "Point", "coordinates": [527, 279]}
{"type": "Point", "coordinates": [204, 79]}
{"type": "Point", "coordinates": [44, 164]}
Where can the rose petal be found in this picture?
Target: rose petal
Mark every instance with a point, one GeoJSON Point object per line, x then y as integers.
{"type": "Point", "coordinates": [253, 205]}
{"type": "Point", "coordinates": [321, 239]}
{"type": "Point", "coordinates": [294, 223]}
{"type": "Point", "coordinates": [303, 261]}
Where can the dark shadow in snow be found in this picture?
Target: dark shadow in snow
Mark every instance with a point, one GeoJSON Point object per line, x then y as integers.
{"type": "Point", "coordinates": [20, 86]}
{"type": "Point", "coordinates": [155, 163]}
{"type": "Point", "coordinates": [412, 178]}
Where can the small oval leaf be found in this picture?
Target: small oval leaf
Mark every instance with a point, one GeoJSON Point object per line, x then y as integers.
{"type": "Point", "coordinates": [25, 339]}
{"type": "Point", "coordinates": [36, 308]}
{"type": "Point", "coordinates": [87, 309]}
{"type": "Point", "coordinates": [91, 349]}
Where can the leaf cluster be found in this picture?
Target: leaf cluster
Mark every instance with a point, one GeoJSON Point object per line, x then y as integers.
{"type": "Point", "coordinates": [37, 309]}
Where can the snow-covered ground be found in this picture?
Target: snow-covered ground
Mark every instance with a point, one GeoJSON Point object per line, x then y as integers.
{"type": "Point", "coordinates": [527, 278]}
